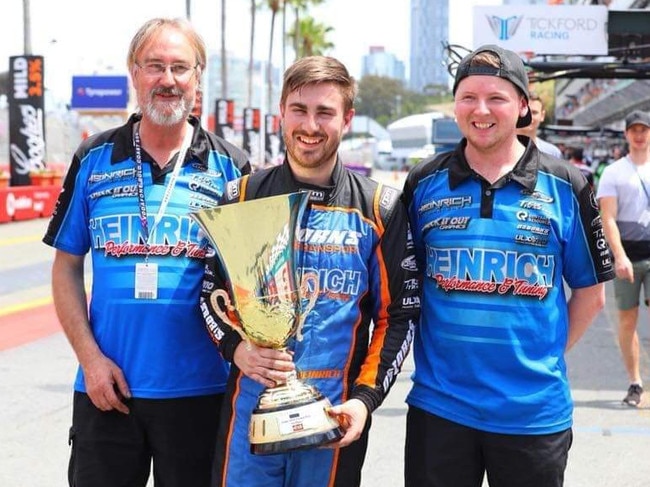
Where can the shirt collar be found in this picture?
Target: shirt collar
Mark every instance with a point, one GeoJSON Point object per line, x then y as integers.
{"type": "Point", "coordinates": [124, 150]}
{"type": "Point", "coordinates": [524, 172]}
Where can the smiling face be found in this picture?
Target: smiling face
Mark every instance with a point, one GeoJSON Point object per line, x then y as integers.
{"type": "Point", "coordinates": [164, 98]}
{"type": "Point", "coordinates": [487, 109]}
{"type": "Point", "coordinates": [313, 122]}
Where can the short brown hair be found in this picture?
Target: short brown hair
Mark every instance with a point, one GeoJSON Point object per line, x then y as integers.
{"type": "Point", "coordinates": [319, 69]}
{"type": "Point", "coordinates": [535, 97]}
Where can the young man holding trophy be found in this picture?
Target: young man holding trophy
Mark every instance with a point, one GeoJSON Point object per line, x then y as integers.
{"type": "Point", "coordinates": [346, 251]}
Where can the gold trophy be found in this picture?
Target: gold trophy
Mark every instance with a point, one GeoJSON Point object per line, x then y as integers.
{"type": "Point", "coordinates": [256, 244]}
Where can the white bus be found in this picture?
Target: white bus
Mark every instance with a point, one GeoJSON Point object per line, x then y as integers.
{"type": "Point", "coordinates": [422, 135]}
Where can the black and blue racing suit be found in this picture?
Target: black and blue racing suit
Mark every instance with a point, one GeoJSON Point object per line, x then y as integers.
{"type": "Point", "coordinates": [356, 337]}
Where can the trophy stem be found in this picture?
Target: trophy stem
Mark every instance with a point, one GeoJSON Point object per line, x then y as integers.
{"type": "Point", "coordinates": [292, 383]}
{"type": "Point", "coordinates": [292, 379]}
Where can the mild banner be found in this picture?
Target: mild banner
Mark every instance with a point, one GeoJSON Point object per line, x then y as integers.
{"type": "Point", "coordinates": [26, 118]}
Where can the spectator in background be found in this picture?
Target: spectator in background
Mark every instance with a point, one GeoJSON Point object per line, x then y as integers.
{"type": "Point", "coordinates": [538, 114]}
{"type": "Point", "coordinates": [577, 158]}
{"type": "Point", "coordinates": [624, 198]}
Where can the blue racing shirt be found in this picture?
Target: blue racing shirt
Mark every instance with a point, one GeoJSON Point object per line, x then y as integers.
{"type": "Point", "coordinates": [160, 344]}
{"type": "Point", "coordinates": [489, 351]}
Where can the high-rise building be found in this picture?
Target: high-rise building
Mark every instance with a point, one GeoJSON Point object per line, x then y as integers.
{"type": "Point", "coordinates": [378, 62]}
{"type": "Point", "coordinates": [429, 31]}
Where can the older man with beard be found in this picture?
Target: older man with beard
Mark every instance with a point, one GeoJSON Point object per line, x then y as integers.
{"type": "Point", "coordinates": [150, 384]}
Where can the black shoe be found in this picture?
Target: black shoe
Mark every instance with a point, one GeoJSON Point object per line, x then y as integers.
{"type": "Point", "coordinates": [633, 397]}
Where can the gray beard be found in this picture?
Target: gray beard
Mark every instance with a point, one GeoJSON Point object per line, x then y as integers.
{"type": "Point", "coordinates": [179, 112]}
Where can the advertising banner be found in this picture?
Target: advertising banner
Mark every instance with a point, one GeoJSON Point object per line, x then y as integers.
{"type": "Point", "coordinates": [566, 30]}
{"type": "Point", "coordinates": [100, 92]}
{"type": "Point", "coordinates": [251, 144]}
{"type": "Point", "coordinates": [26, 118]}
{"type": "Point", "coordinates": [27, 202]}
{"type": "Point", "coordinates": [225, 118]}
{"type": "Point", "coordinates": [273, 143]}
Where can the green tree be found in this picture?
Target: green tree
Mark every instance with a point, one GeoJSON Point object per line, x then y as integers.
{"type": "Point", "coordinates": [386, 99]}
{"type": "Point", "coordinates": [380, 98]}
{"type": "Point", "coordinates": [312, 38]}
{"type": "Point", "coordinates": [299, 7]}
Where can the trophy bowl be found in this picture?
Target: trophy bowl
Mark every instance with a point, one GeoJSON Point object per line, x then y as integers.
{"type": "Point", "coordinates": [266, 302]}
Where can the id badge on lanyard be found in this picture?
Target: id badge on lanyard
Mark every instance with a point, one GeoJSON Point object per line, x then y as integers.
{"type": "Point", "coordinates": [146, 273]}
{"type": "Point", "coordinates": [146, 280]}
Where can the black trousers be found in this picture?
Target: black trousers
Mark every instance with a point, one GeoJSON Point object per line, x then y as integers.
{"type": "Point", "coordinates": [111, 449]}
{"type": "Point", "coordinates": [441, 453]}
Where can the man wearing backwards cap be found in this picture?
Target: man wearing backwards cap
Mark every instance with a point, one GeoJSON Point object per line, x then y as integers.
{"type": "Point", "coordinates": [499, 227]}
{"type": "Point", "coordinates": [624, 197]}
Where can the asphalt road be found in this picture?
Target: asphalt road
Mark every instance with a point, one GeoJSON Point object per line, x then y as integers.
{"type": "Point", "coordinates": [611, 441]}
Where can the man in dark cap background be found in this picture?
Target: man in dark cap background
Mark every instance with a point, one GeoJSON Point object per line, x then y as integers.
{"type": "Point", "coordinates": [499, 229]}
{"type": "Point", "coordinates": [624, 198]}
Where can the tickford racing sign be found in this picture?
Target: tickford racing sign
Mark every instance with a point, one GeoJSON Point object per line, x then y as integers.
{"type": "Point", "coordinates": [558, 29]}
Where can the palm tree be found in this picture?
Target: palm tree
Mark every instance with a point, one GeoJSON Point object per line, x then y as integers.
{"type": "Point", "coordinates": [274, 5]}
{"type": "Point", "coordinates": [312, 38]}
{"type": "Point", "coordinates": [299, 6]}
{"type": "Point", "coordinates": [224, 58]}
{"type": "Point", "coordinates": [251, 59]}
{"type": "Point", "coordinates": [284, 33]}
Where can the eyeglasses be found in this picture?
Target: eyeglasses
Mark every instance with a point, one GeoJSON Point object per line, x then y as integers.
{"type": "Point", "coordinates": [180, 72]}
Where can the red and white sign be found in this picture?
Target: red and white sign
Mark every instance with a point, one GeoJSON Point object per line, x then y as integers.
{"type": "Point", "coordinates": [27, 202]}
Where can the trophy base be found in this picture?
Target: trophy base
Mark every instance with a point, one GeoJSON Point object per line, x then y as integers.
{"type": "Point", "coordinates": [291, 417]}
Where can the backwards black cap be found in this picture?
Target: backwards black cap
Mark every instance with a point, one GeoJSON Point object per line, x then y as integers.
{"type": "Point", "coordinates": [511, 68]}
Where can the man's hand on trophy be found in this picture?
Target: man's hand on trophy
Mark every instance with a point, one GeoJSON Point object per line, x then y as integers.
{"type": "Point", "coordinates": [268, 366]}
{"type": "Point", "coordinates": [352, 416]}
